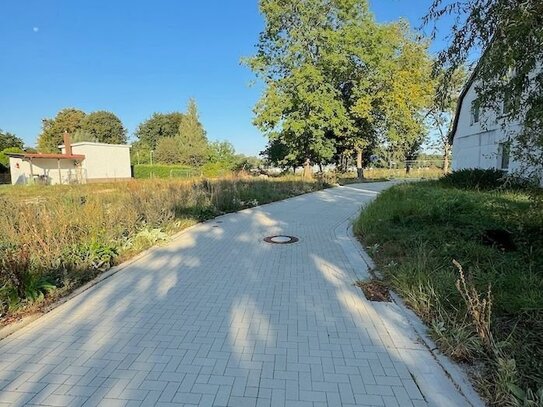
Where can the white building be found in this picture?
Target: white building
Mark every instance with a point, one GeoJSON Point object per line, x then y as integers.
{"type": "Point", "coordinates": [482, 138]}
{"type": "Point", "coordinates": [103, 162]}
{"type": "Point", "coordinates": [477, 141]}
{"type": "Point", "coordinates": [79, 163]}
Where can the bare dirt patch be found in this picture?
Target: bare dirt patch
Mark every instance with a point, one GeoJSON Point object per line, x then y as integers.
{"type": "Point", "coordinates": [375, 290]}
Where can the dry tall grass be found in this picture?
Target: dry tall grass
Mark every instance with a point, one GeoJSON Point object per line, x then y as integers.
{"type": "Point", "coordinates": [64, 235]}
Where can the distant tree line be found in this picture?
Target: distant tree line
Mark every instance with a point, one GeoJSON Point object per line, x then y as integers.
{"type": "Point", "coordinates": [164, 138]}
{"type": "Point", "coordinates": [100, 126]}
{"type": "Point", "coordinates": [180, 138]}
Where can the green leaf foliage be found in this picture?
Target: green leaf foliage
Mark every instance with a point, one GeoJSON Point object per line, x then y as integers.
{"type": "Point", "coordinates": [192, 137]}
{"type": "Point", "coordinates": [8, 139]}
{"type": "Point", "coordinates": [337, 81]}
{"type": "Point", "coordinates": [4, 158]}
{"type": "Point", "coordinates": [104, 127]}
{"type": "Point", "coordinates": [51, 136]}
{"type": "Point", "coordinates": [168, 151]}
{"type": "Point", "coordinates": [510, 33]}
{"type": "Point", "coordinates": [158, 126]}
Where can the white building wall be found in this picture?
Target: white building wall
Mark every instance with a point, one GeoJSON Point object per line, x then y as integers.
{"type": "Point", "coordinates": [476, 145]}
{"type": "Point", "coordinates": [104, 161]}
{"type": "Point", "coordinates": [46, 167]}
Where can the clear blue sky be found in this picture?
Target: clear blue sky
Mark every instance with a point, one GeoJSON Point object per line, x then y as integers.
{"type": "Point", "coordinates": [135, 57]}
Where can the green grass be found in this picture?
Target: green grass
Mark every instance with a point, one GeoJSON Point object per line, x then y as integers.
{"type": "Point", "coordinates": [55, 238]}
{"type": "Point", "coordinates": [415, 230]}
{"type": "Point", "coordinates": [146, 171]}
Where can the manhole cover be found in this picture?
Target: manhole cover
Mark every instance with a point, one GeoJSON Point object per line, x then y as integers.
{"type": "Point", "coordinates": [281, 239]}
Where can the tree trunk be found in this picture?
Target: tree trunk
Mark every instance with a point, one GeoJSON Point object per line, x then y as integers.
{"type": "Point", "coordinates": [307, 169]}
{"type": "Point", "coordinates": [447, 148]}
{"type": "Point", "coordinates": [359, 168]}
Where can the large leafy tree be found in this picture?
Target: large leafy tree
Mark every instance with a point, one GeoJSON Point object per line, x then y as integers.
{"type": "Point", "coordinates": [222, 152]}
{"type": "Point", "coordinates": [336, 80]}
{"type": "Point", "coordinates": [8, 139]}
{"type": "Point", "coordinates": [391, 88]}
{"type": "Point", "coordinates": [158, 126]}
{"type": "Point", "coordinates": [300, 108]}
{"type": "Point", "coordinates": [192, 137]}
{"type": "Point", "coordinates": [103, 127]}
{"type": "Point", "coordinates": [509, 36]}
{"type": "Point", "coordinates": [51, 136]}
{"type": "Point", "coordinates": [168, 151]}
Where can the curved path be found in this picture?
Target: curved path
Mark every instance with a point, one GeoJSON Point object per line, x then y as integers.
{"type": "Point", "coordinates": [219, 317]}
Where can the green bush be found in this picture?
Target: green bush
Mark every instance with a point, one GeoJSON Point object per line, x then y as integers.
{"type": "Point", "coordinates": [483, 180]}
{"type": "Point", "coordinates": [146, 171]}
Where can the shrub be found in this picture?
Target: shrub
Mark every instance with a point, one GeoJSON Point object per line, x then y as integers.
{"type": "Point", "coordinates": [483, 179]}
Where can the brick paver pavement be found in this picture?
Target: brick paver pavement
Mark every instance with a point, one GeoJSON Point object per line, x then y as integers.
{"type": "Point", "coordinates": [219, 317]}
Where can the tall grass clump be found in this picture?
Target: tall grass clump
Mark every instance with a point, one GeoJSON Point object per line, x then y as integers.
{"type": "Point", "coordinates": [487, 307]}
{"type": "Point", "coordinates": [55, 238]}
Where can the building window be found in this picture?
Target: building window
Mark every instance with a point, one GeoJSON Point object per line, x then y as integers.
{"type": "Point", "coordinates": [504, 152]}
{"type": "Point", "coordinates": [475, 109]}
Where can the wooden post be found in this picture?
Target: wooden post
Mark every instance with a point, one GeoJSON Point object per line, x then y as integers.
{"type": "Point", "coordinates": [59, 173]}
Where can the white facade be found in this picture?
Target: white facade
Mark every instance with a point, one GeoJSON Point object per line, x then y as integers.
{"type": "Point", "coordinates": [103, 162]}
{"type": "Point", "coordinates": [479, 138]}
{"type": "Point", "coordinates": [48, 170]}
{"type": "Point", "coordinates": [87, 162]}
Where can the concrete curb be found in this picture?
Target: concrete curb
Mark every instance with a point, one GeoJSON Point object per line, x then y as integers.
{"type": "Point", "coordinates": [455, 373]}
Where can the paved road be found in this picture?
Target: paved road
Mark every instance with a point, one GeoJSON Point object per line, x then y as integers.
{"type": "Point", "coordinates": [219, 317]}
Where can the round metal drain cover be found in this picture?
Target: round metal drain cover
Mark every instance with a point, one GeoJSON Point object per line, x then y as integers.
{"type": "Point", "coordinates": [281, 239]}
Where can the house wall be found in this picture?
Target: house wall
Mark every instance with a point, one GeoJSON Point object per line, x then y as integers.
{"type": "Point", "coordinates": [104, 162]}
{"type": "Point", "coordinates": [476, 145]}
{"type": "Point", "coordinates": [21, 173]}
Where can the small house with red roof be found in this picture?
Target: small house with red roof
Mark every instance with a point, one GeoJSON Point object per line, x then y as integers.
{"type": "Point", "coordinates": [77, 163]}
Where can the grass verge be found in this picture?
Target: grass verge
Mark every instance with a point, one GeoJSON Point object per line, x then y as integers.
{"type": "Point", "coordinates": [486, 311]}
{"type": "Point", "coordinates": [55, 238]}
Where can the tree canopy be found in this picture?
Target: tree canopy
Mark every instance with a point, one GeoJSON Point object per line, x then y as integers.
{"type": "Point", "coordinates": [8, 139]}
{"type": "Point", "coordinates": [100, 126]}
{"type": "Point", "coordinates": [192, 137]}
{"type": "Point", "coordinates": [51, 136]}
{"type": "Point", "coordinates": [158, 126]}
{"type": "Point", "coordinates": [168, 150]}
{"type": "Point", "coordinates": [222, 152]}
{"type": "Point", "coordinates": [103, 127]}
{"type": "Point", "coordinates": [336, 80]}
{"type": "Point", "coordinates": [509, 37]}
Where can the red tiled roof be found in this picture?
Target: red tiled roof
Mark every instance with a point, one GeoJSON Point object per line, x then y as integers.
{"type": "Point", "coordinates": [44, 155]}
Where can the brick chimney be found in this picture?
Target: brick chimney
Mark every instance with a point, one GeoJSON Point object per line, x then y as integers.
{"type": "Point", "coordinates": [67, 144]}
